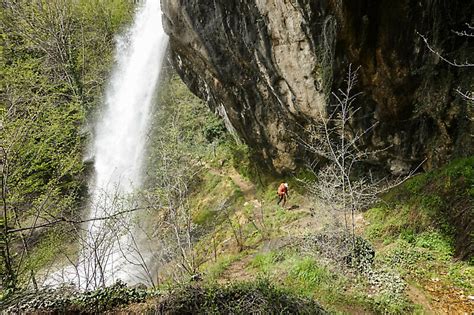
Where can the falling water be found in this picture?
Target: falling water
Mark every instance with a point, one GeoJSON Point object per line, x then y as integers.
{"type": "Point", "coordinates": [110, 251]}
{"type": "Point", "coordinates": [119, 145]}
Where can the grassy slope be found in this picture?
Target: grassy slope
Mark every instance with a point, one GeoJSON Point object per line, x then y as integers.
{"type": "Point", "coordinates": [243, 235]}
{"type": "Point", "coordinates": [255, 238]}
{"type": "Point", "coordinates": [417, 232]}
{"type": "Point", "coordinates": [423, 230]}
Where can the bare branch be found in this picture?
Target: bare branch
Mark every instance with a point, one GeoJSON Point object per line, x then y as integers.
{"type": "Point", "coordinates": [66, 220]}
{"type": "Point", "coordinates": [469, 95]}
{"type": "Point", "coordinates": [465, 33]}
{"type": "Point", "coordinates": [453, 63]}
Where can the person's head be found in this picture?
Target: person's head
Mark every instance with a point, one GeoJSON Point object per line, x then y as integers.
{"type": "Point", "coordinates": [286, 185]}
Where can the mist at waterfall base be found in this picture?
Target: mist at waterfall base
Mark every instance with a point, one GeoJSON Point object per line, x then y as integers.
{"type": "Point", "coordinates": [110, 248]}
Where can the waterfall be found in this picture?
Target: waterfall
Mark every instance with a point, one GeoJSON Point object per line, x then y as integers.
{"type": "Point", "coordinates": [119, 147]}
{"type": "Point", "coordinates": [109, 248]}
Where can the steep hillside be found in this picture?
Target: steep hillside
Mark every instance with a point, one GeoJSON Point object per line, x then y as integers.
{"type": "Point", "coordinates": [297, 257]}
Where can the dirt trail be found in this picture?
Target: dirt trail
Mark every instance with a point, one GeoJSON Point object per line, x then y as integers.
{"type": "Point", "coordinates": [308, 218]}
{"type": "Point", "coordinates": [237, 271]}
{"type": "Point", "coordinates": [446, 299]}
{"type": "Point", "coordinates": [418, 297]}
{"type": "Point", "coordinates": [436, 298]}
{"type": "Point", "coordinates": [247, 187]}
{"type": "Point", "coordinates": [313, 218]}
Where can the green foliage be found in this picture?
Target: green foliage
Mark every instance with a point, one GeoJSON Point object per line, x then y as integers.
{"type": "Point", "coordinates": [214, 199]}
{"type": "Point", "coordinates": [424, 225]}
{"type": "Point", "coordinates": [214, 130]}
{"type": "Point", "coordinates": [49, 247]}
{"type": "Point", "coordinates": [54, 58]}
{"type": "Point", "coordinates": [463, 168]}
{"type": "Point", "coordinates": [462, 275]}
{"type": "Point", "coordinates": [179, 134]}
{"type": "Point", "coordinates": [428, 208]}
{"type": "Point", "coordinates": [104, 299]}
{"type": "Point", "coordinates": [416, 184]}
{"type": "Point", "coordinates": [68, 300]}
{"type": "Point", "coordinates": [180, 109]}
{"type": "Point", "coordinates": [211, 192]}
{"type": "Point", "coordinates": [406, 257]}
{"type": "Point", "coordinates": [387, 303]}
{"type": "Point", "coordinates": [265, 262]}
{"type": "Point", "coordinates": [306, 276]}
{"type": "Point", "coordinates": [204, 216]}
{"type": "Point", "coordinates": [259, 297]}
{"type": "Point", "coordinates": [241, 160]}
{"type": "Point", "coordinates": [214, 270]}
{"type": "Point", "coordinates": [436, 243]}
{"type": "Point", "coordinates": [310, 275]}
{"type": "Point", "coordinates": [425, 256]}
{"type": "Point", "coordinates": [176, 183]}
{"type": "Point", "coordinates": [42, 300]}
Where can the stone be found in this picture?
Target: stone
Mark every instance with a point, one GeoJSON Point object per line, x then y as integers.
{"type": "Point", "coordinates": [268, 69]}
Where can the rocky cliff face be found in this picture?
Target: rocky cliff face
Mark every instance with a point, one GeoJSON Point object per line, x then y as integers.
{"type": "Point", "coordinates": [268, 68]}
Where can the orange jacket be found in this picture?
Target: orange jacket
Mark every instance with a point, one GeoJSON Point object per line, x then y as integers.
{"type": "Point", "coordinates": [282, 190]}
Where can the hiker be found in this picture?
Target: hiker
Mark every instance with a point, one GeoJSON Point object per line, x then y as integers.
{"type": "Point", "coordinates": [282, 193]}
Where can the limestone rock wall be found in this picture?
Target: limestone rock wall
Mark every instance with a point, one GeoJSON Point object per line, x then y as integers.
{"type": "Point", "coordinates": [268, 68]}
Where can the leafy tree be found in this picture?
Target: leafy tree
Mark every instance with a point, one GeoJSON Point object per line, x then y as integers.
{"type": "Point", "coordinates": [55, 57]}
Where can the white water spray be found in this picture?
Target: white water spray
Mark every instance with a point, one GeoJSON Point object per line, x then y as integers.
{"type": "Point", "coordinates": [110, 250]}
{"type": "Point", "coordinates": [120, 142]}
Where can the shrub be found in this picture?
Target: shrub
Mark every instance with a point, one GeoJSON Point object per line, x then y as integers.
{"type": "Point", "coordinates": [67, 299]}
{"type": "Point", "coordinates": [259, 297]}
{"type": "Point", "coordinates": [107, 298]}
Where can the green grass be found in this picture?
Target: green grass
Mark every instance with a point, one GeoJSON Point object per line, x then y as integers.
{"type": "Point", "coordinates": [265, 263]}
{"type": "Point", "coordinates": [214, 270]}
{"type": "Point", "coordinates": [305, 276]}
{"type": "Point", "coordinates": [462, 275]}
{"type": "Point", "coordinates": [308, 277]}
{"type": "Point", "coordinates": [428, 256]}
{"type": "Point", "coordinates": [411, 229]}
{"type": "Point", "coordinates": [436, 243]}
{"type": "Point", "coordinates": [207, 201]}
{"type": "Point", "coordinates": [203, 216]}
{"type": "Point", "coordinates": [421, 228]}
{"type": "Point", "coordinates": [436, 202]}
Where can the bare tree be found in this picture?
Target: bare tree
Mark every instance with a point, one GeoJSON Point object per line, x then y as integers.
{"type": "Point", "coordinates": [341, 151]}
{"type": "Point", "coordinates": [467, 33]}
{"type": "Point", "coordinates": [107, 242]}
{"type": "Point", "coordinates": [112, 244]}
{"type": "Point", "coordinates": [174, 169]}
